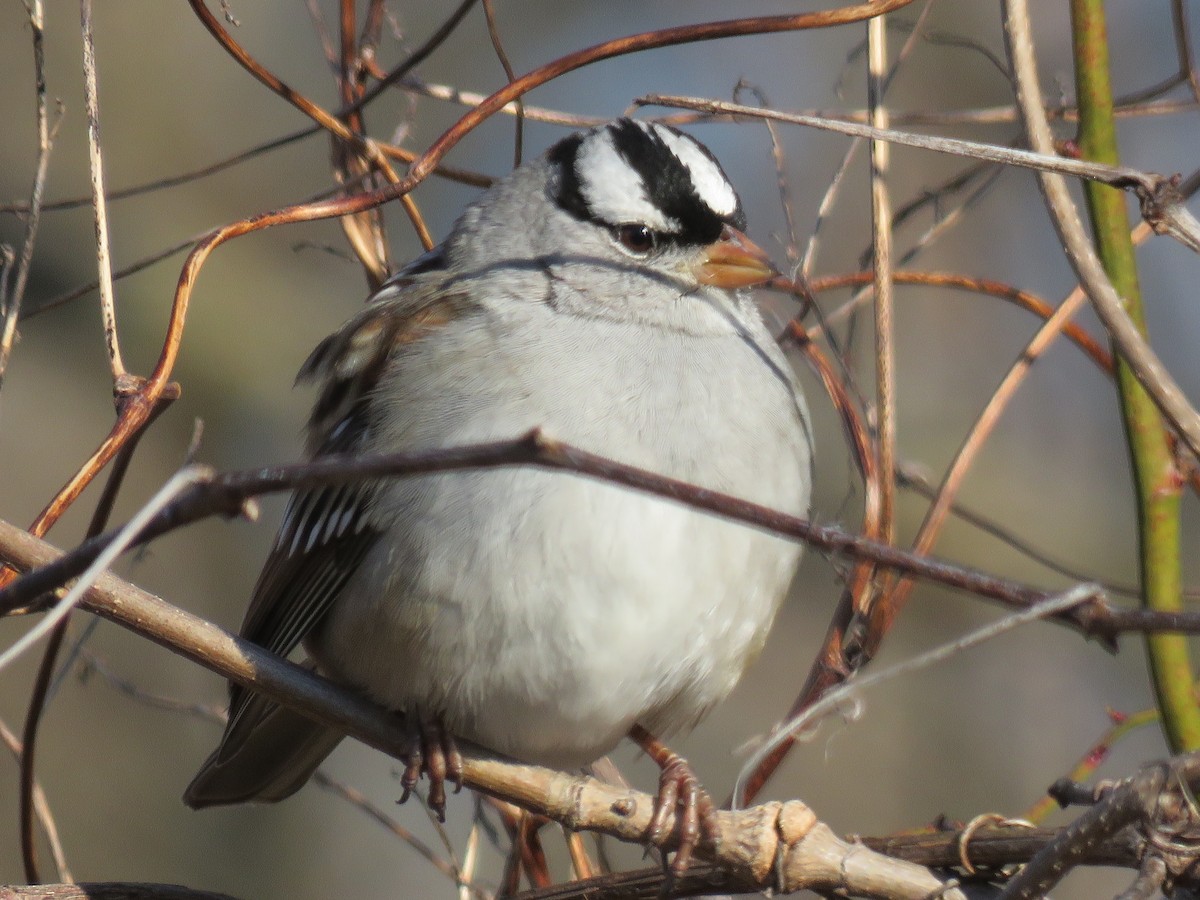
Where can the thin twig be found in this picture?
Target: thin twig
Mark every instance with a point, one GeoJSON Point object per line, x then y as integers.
{"type": "Point", "coordinates": [825, 209]}
{"type": "Point", "coordinates": [171, 180]}
{"type": "Point", "coordinates": [987, 177]}
{"type": "Point", "coordinates": [881, 233]}
{"type": "Point", "coordinates": [27, 800]}
{"type": "Point", "coordinates": [450, 173]}
{"type": "Point", "coordinates": [489, 12]}
{"type": "Point", "coordinates": [41, 807]}
{"type": "Point", "coordinates": [11, 308]}
{"type": "Point", "coordinates": [125, 538]}
{"type": "Point", "coordinates": [417, 85]}
{"type": "Point", "coordinates": [471, 861]}
{"type": "Point", "coordinates": [148, 261]}
{"type": "Point", "coordinates": [1184, 74]}
{"type": "Point", "coordinates": [987, 287]}
{"type": "Point", "coordinates": [419, 55]}
{"type": "Point", "coordinates": [108, 312]}
{"type": "Point", "coordinates": [132, 269]}
{"type": "Point", "coordinates": [40, 694]}
{"type": "Point", "coordinates": [1161, 204]}
{"type": "Point", "coordinates": [91, 664]}
{"type": "Point", "coordinates": [943, 223]}
{"type": "Point", "coordinates": [827, 201]}
{"type": "Point", "coordinates": [783, 187]}
{"type": "Point", "coordinates": [1183, 46]}
{"type": "Point", "coordinates": [1109, 306]}
{"type": "Point", "coordinates": [1091, 759]}
{"type": "Point", "coordinates": [321, 27]}
{"type": "Point", "coordinates": [365, 231]}
{"type": "Point", "coordinates": [912, 478]}
{"type": "Point", "coordinates": [226, 495]}
{"type": "Point", "coordinates": [983, 427]}
{"type": "Point", "coordinates": [1117, 176]}
{"type": "Point", "coordinates": [372, 32]}
{"type": "Point", "coordinates": [108, 890]}
{"type": "Point", "coordinates": [356, 798]}
{"type": "Point", "coordinates": [836, 698]}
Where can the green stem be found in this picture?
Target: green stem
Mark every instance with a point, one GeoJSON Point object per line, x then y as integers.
{"type": "Point", "coordinates": [1157, 481]}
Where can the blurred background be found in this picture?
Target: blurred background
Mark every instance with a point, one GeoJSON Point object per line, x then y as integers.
{"type": "Point", "coordinates": [985, 732]}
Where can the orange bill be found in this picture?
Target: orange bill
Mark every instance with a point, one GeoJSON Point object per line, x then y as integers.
{"type": "Point", "coordinates": [734, 261]}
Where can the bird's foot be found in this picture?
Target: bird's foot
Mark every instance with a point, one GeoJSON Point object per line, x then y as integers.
{"type": "Point", "coordinates": [432, 750]}
{"type": "Point", "coordinates": [681, 795]}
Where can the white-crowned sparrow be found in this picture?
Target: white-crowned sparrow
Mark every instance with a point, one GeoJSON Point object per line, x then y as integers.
{"type": "Point", "coordinates": [592, 294]}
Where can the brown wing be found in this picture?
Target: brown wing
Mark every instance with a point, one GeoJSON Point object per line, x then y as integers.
{"type": "Point", "coordinates": [327, 531]}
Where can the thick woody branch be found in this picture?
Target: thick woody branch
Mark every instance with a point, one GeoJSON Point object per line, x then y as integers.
{"type": "Point", "coordinates": [107, 890]}
{"type": "Point", "coordinates": [1159, 799]}
{"type": "Point", "coordinates": [780, 845]}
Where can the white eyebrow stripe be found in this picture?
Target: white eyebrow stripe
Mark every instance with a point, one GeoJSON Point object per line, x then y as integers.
{"type": "Point", "coordinates": [710, 182]}
{"type": "Point", "coordinates": [612, 188]}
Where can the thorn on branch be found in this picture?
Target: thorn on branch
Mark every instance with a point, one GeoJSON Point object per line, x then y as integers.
{"type": "Point", "coordinates": [1067, 792]}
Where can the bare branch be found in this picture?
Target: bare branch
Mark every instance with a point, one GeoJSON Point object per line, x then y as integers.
{"type": "Point", "coordinates": [1144, 362]}
{"type": "Point", "coordinates": [11, 307]}
{"type": "Point", "coordinates": [121, 541]}
{"type": "Point", "coordinates": [840, 696]}
{"type": "Point", "coordinates": [41, 807]}
{"type": "Point", "coordinates": [227, 494]}
{"type": "Point", "coordinates": [1152, 797]}
{"type": "Point", "coordinates": [1162, 204]}
{"type": "Point", "coordinates": [108, 890]}
{"type": "Point", "coordinates": [881, 232]}
{"type": "Point", "coordinates": [108, 311]}
{"type": "Point", "coordinates": [775, 844]}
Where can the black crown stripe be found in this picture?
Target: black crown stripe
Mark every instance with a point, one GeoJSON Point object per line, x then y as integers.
{"type": "Point", "coordinates": [667, 182]}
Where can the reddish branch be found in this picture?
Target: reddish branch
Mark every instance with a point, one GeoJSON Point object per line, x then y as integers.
{"type": "Point", "coordinates": [226, 495]}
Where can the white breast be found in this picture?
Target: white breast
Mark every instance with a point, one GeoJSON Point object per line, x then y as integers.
{"type": "Point", "coordinates": [542, 613]}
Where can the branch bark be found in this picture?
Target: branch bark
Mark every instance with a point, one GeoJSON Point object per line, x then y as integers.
{"type": "Point", "coordinates": [774, 845]}
{"type": "Point", "coordinates": [227, 495]}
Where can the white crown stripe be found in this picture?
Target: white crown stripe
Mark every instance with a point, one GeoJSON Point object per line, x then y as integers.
{"type": "Point", "coordinates": [613, 190]}
{"type": "Point", "coordinates": [709, 181]}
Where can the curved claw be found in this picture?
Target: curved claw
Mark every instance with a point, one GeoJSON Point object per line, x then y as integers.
{"type": "Point", "coordinates": [434, 752]}
{"type": "Point", "coordinates": [413, 762]}
{"type": "Point", "coordinates": [679, 794]}
{"type": "Point", "coordinates": [454, 761]}
{"type": "Point", "coordinates": [679, 790]}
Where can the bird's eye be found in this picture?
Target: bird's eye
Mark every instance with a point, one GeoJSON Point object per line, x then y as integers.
{"type": "Point", "coordinates": [636, 238]}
